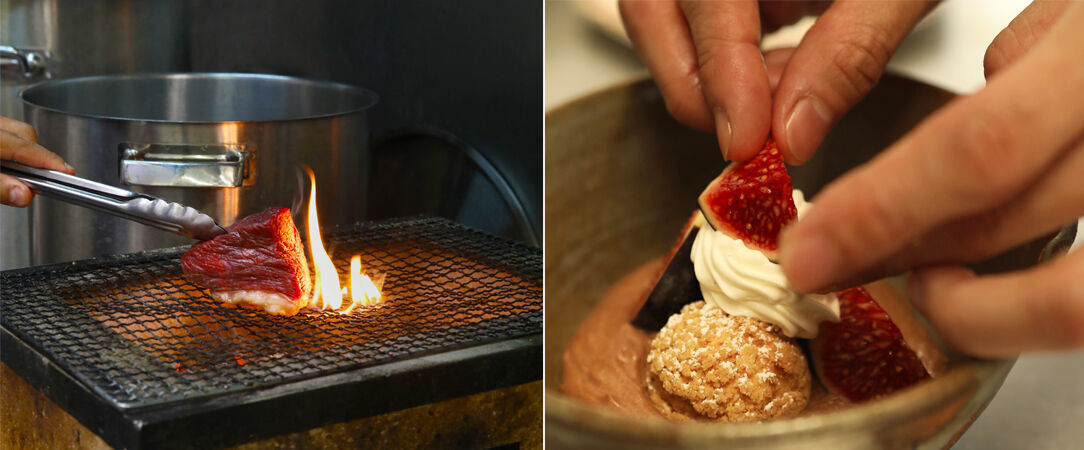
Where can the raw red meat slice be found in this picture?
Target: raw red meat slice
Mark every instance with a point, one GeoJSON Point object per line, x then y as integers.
{"type": "Point", "coordinates": [752, 201]}
{"type": "Point", "coordinates": [259, 263]}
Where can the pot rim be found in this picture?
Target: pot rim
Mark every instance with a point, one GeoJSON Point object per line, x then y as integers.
{"type": "Point", "coordinates": [366, 98]}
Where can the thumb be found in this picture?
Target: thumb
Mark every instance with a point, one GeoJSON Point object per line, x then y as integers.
{"type": "Point", "coordinates": [13, 192]}
{"type": "Point", "coordinates": [1021, 34]}
{"type": "Point", "coordinates": [838, 61]}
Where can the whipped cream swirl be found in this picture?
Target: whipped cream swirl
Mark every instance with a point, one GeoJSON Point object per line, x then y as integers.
{"type": "Point", "coordinates": [744, 282]}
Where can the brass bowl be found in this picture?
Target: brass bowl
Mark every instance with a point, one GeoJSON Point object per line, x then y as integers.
{"type": "Point", "coordinates": [621, 179]}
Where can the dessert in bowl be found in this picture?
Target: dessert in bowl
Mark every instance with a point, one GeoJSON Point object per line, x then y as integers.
{"type": "Point", "coordinates": [621, 178]}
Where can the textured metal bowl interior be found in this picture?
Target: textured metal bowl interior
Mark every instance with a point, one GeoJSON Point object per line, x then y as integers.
{"type": "Point", "coordinates": [621, 179]}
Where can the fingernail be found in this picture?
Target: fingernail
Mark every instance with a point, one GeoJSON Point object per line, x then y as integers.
{"type": "Point", "coordinates": [916, 291]}
{"type": "Point", "coordinates": [69, 168]}
{"type": "Point", "coordinates": [811, 262]}
{"type": "Point", "coordinates": [17, 196]}
{"type": "Point", "coordinates": [806, 127]}
{"type": "Point", "coordinates": [723, 130]}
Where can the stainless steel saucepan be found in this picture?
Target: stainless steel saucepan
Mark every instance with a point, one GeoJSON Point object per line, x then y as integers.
{"type": "Point", "coordinates": [224, 143]}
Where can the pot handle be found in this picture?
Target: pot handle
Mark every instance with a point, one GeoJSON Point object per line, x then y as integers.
{"type": "Point", "coordinates": [24, 64]}
{"type": "Point", "coordinates": [182, 165]}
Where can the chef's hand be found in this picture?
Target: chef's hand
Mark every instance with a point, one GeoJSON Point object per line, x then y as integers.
{"type": "Point", "coordinates": [19, 142]}
{"type": "Point", "coordinates": [985, 173]}
{"type": "Point", "coordinates": [705, 57]}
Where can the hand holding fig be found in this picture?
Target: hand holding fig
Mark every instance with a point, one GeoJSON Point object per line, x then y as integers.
{"type": "Point", "coordinates": [705, 57]}
{"type": "Point", "coordinates": [984, 174]}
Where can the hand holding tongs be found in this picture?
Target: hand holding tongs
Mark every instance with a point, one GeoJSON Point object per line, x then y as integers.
{"type": "Point", "coordinates": [142, 208]}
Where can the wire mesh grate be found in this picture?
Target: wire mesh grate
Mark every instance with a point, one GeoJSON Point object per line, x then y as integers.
{"type": "Point", "coordinates": [135, 331]}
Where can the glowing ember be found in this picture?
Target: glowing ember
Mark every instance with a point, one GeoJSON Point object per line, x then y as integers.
{"type": "Point", "coordinates": [327, 292]}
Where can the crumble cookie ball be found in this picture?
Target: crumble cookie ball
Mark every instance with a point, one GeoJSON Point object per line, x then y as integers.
{"type": "Point", "coordinates": [708, 365]}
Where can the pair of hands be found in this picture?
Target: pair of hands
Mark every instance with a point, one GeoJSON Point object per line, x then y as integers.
{"type": "Point", "coordinates": [19, 142]}
{"type": "Point", "coordinates": [987, 172]}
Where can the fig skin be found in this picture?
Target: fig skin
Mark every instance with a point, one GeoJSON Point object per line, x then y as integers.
{"type": "Point", "coordinates": [676, 284]}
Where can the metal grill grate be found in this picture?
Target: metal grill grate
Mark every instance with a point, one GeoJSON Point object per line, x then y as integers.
{"type": "Point", "coordinates": [134, 331]}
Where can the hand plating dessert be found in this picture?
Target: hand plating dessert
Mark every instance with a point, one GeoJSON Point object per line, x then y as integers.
{"type": "Point", "coordinates": [732, 350]}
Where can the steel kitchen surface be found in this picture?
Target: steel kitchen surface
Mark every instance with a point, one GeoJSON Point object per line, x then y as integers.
{"type": "Point", "coordinates": [143, 358]}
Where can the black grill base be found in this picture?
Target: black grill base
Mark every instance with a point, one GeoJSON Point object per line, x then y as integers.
{"type": "Point", "coordinates": [241, 417]}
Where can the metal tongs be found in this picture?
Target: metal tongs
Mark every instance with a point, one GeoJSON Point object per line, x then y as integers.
{"type": "Point", "coordinates": [142, 208]}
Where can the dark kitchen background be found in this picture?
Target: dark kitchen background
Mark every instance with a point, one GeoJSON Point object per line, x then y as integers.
{"type": "Point", "coordinates": [457, 131]}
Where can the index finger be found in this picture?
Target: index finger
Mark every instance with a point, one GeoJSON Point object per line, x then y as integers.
{"type": "Point", "coordinates": [17, 148]}
{"type": "Point", "coordinates": [732, 72]}
{"type": "Point", "coordinates": [974, 153]}
{"type": "Point", "coordinates": [660, 35]}
{"type": "Point", "coordinates": [21, 129]}
{"type": "Point", "coordinates": [839, 60]}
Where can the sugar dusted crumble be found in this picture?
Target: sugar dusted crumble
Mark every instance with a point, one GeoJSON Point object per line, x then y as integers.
{"type": "Point", "coordinates": [708, 365]}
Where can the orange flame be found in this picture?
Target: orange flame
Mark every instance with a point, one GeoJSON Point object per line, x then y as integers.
{"type": "Point", "coordinates": [327, 291]}
{"type": "Point", "coordinates": [362, 289]}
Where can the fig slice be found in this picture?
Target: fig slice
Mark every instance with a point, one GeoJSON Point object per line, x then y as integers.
{"type": "Point", "coordinates": [752, 201]}
{"type": "Point", "coordinates": [916, 334]}
{"type": "Point", "coordinates": [676, 285]}
{"type": "Point", "coordinates": [870, 352]}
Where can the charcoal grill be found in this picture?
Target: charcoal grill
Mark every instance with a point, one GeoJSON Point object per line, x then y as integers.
{"type": "Point", "coordinates": [145, 359]}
